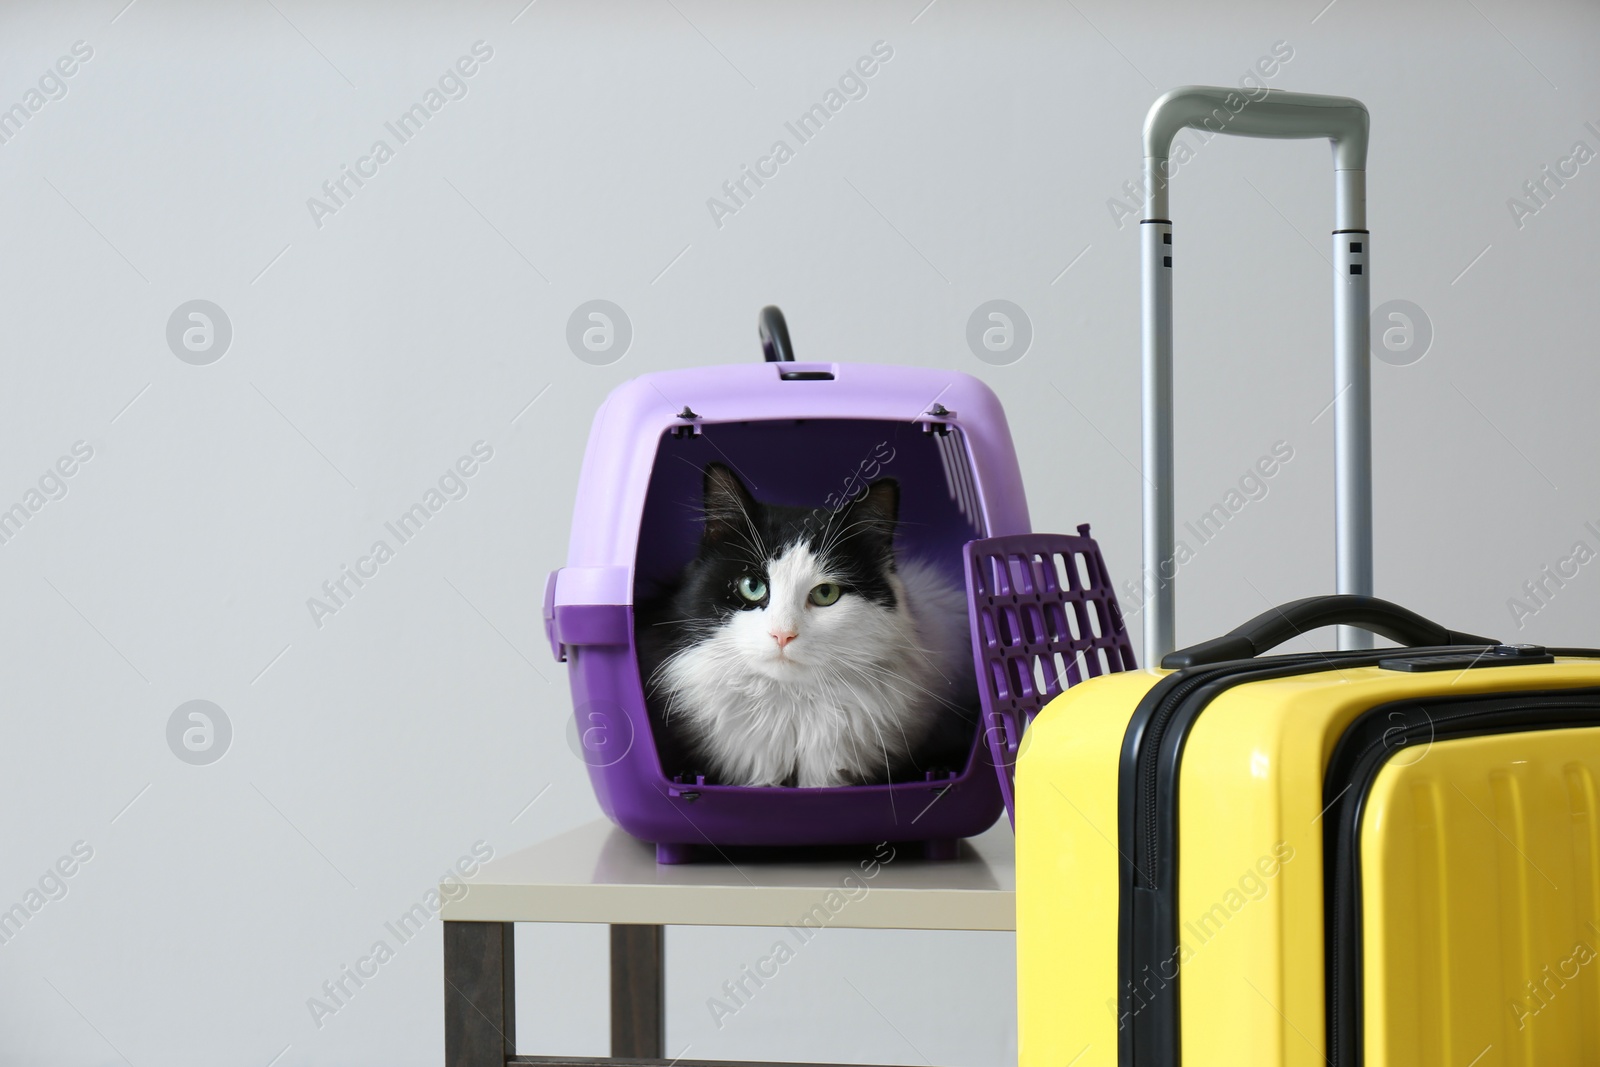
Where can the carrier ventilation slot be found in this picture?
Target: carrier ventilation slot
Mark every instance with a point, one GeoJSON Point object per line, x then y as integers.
{"type": "Point", "coordinates": [958, 478]}
{"type": "Point", "coordinates": [1044, 617]}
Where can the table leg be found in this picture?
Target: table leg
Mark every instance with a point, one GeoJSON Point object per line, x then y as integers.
{"type": "Point", "coordinates": [480, 1000]}
{"type": "Point", "coordinates": [638, 992]}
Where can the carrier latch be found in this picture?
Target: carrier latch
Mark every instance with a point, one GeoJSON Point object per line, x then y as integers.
{"type": "Point", "coordinates": [557, 649]}
{"type": "Point", "coordinates": [690, 426]}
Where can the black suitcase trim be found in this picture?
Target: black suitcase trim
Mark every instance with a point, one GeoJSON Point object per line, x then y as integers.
{"type": "Point", "coordinates": [1148, 942]}
{"type": "Point", "coordinates": [1147, 929]}
{"type": "Point", "coordinates": [1366, 747]}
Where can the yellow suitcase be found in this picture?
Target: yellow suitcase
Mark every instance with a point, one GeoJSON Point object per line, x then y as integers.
{"type": "Point", "coordinates": [1379, 857]}
{"type": "Point", "coordinates": [1387, 858]}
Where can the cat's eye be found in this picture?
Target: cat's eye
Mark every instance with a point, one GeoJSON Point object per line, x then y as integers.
{"type": "Point", "coordinates": [752, 588]}
{"type": "Point", "coordinates": [825, 594]}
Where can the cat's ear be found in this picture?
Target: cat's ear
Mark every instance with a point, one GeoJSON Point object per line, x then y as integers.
{"type": "Point", "coordinates": [728, 504]}
{"type": "Point", "coordinates": [871, 517]}
{"type": "Point", "coordinates": [881, 501]}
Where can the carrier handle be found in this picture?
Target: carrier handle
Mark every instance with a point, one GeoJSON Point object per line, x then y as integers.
{"type": "Point", "coordinates": [1259, 113]}
{"type": "Point", "coordinates": [775, 344]}
{"type": "Point", "coordinates": [1272, 628]}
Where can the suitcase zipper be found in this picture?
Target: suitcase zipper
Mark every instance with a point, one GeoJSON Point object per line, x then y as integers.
{"type": "Point", "coordinates": [1148, 1030]}
{"type": "Point", "coordinates": [1147, 758]}
{"type": "Point", "coordinates": [1144, 799]}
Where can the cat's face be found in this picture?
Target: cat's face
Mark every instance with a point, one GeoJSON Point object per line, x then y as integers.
{"type": "Point", "coordinates": [790, 593]}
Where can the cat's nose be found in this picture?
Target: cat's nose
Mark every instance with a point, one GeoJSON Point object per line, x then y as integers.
{"type": "Point", "coordinates": [783, 637]}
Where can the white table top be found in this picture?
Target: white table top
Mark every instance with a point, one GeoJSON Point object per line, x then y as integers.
{"type": "Point", "coordinates": [598, 874]}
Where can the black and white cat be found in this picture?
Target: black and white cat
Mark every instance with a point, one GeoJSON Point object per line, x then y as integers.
{"type": "Point", "coordinates": [796, 650]}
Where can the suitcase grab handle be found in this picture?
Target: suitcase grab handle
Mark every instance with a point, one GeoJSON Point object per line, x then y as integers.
{"type": "Point", "coordinates": [1272, 628]}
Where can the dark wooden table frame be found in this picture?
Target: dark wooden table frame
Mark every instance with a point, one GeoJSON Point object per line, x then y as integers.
{"type": "Point", "coordinates": [480, 1000]}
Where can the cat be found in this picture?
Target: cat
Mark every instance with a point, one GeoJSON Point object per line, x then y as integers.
{"type": "Point", "coordinates": [796, 650]}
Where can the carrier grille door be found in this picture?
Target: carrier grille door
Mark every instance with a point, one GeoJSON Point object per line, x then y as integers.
{"type": "Point", "coordinates": [1044, 617]}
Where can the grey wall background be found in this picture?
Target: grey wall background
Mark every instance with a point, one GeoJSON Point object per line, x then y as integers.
{"type": "Point", "coordinates": [369, 353]}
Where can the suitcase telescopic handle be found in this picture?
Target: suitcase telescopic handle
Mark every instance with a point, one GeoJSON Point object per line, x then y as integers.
{"type": "Point", "coordinates": [1269, 113]}
{"type": "Point", "coordinates": [1261, 113]}
{"type": "Point", "coordinates": [1271, 628]}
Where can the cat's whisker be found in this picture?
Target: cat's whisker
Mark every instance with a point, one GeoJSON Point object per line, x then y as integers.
{"type": "Point", "coordinates": [928, 660]}
{"type": "Point", "coordinates": [899, 725]}
{"type": "Point", "coordinates": [888, 768]}
{"type": "Point", "coordinates": [833, 535]}
{"type": "Point", "coordinates": [927, 692]}
{"type": "Point", "coordinates": [916, 685]}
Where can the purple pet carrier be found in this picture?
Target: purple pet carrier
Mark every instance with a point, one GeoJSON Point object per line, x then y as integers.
{"type": "Point", "coordinates": [804, 434]}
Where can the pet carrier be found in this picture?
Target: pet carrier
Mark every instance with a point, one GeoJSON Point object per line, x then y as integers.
{"type": "Point", "coordinates": [807, 434]}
